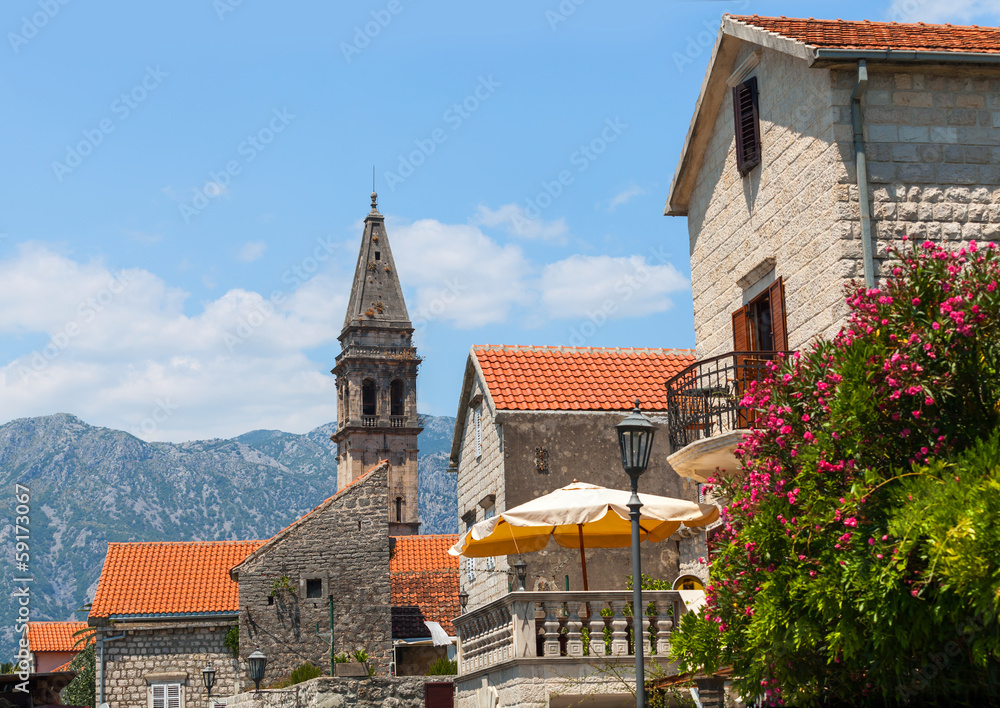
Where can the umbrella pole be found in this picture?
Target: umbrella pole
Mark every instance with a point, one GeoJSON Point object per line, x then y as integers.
{"type": "Point", "coordinates": [583, 557]}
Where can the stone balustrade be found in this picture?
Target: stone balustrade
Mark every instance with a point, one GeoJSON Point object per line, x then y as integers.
{"type": "Point", "coordinates": [554, 625]}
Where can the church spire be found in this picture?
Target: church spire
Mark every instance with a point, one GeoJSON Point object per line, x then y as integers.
{"type": "Point", "coordinates": [376, 296]}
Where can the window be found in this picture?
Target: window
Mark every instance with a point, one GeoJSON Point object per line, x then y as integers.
{"type": "Point", "coordinates": [759, 326]}
{"type": "Point", "coordinates": [399, 508]}
{"type": "Point", "coordinates": [470, 563]}
{"type": "Point", "coordinates": [165, 695]}
{"type": "Point", "coordinates": [746, 117]}
{"type": "Point", "coordinates": [368, 407]}
{"type": "Point", "coordinates": [378, 255]}
{"type": "Point", "coordinates": [477, 424]}
{"type": "Point", "coordinates": [491, 562]}
{"type": "Point", "coordinates": [347, 400]}
{"type": "Point", "coordinates": [397, 398]}
{"type": "Point", "coordinates": [314, 588]}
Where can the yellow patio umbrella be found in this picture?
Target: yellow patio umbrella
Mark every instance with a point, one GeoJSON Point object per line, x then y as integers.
{"type": "Point", "coordinates": [580, 515]}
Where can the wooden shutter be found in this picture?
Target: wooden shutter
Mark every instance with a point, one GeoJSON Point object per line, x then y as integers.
{"type": "Point", "coordinates": [741, 343]}
{"type": "Point", "coordinates": [779, 328]}
{"type": "Point", "coordinates": [741, 330]}
{"type": "Point", "coordinates": [477, 417]}
{"type": "Point", "coordinates": [173, 695]}
{"type": "Point", "coordinates": [159, 695]}
{"type": "Point", "coordinates": [746, 118]}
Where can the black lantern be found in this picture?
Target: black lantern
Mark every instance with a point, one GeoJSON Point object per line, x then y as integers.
{"type": "Point", "coordinates": [257, 662]}
{"type": "Point", "coordinates": [208, 678]}
{"type": "Point", "coordinates": [463, 600]}
{"type": "Point", "coordinates": [635, 437]}
{"type": "Point", "coordinates": [521, 571]}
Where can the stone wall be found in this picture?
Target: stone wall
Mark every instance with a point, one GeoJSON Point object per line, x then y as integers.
{"type": "Point", "coordinates": [343, 543]}
{"type": "Point", "coordinates": [339, 693]}
{"type": "Point", "coordinates": [170, 653]}
{"type": "Point", "coordinates": [539, 684]}
{"type": "Point", "coordinates": [783, 210]}
{"type": "Point", "coordinates": [529, 454]}
{"type": "Point", "coordinates": [933, 150]}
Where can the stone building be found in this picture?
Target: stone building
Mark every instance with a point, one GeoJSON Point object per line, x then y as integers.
{"type": "Point", "coordinates": [52, 645]}
{"type": "Point", "coordinates": [815, 145]}
{"type": "Point", "coordinates": [377, 379]}
{"type": "Point", "coordinates": [339, 550]}
{"type": "Point", "coordinates": [531, 420]}
{"type": "Point", "coordinates": [162, 612]}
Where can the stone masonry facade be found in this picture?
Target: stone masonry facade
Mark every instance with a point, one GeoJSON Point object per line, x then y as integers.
{"type": "Point", "coordinates": [526, 454]}
{"type": "Point", "coordinates": [379, 692]}
{"type": "Point", "coordinates": [343, 547]}
{"type": "Point", "coordinates": [932, 144]}
{"type": "Point", "coordinates": [173, 652]}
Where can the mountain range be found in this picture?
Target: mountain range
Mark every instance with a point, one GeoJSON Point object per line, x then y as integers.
{"type": "Point", "coordinates": [90, 485]}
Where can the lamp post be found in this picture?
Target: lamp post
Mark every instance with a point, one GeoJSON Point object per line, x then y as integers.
{"type": "Point", "coordinates": [463, 600]}
{"type": "Point", "coordinates": [208, 678]}
{"type": "Point", "coordinates": [521, 571]}
{"type": "Point", "coordinates": [257, 662]}
{"type": "Point", "coordinates": [635, 438]}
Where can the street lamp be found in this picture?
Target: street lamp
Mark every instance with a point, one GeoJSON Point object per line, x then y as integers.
{"type": "Point", "coordinates": [208, 678]}
{"type": "Point", "coordinates": [463, 600]}
{"type": "Point", "coordinates": [521, 571]}
{"type": "Point", "coordinates": [635, 438]}
{"type": "Point", "coordinates": [257, 662]}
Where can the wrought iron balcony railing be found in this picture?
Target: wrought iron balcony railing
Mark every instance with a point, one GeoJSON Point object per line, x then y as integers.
{"type": "Point", "coordinates": [705, 399]}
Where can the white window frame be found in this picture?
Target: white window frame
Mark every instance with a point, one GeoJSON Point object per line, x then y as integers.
{"type": "Point", "coordinates": [489, 513]}
{"type": "Point", "coordinates": [165, 699]}
{"type": "Point", "coordinates": [477, 424]}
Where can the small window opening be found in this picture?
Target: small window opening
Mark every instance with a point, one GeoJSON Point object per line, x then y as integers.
{"type": "Point", "coordinates": [746, 116]}
{"type": "Point", "coordinates": [314, 588]}
{"type": "Point", "coordinates": [396, 398]}
{"type": "Point", "coordinates": [359, 524]}
{"type": "Point", "coordinates": [399, 508]}
{"type": "Point", "coordinates": [270, 599]}
{"type": "Point", "coordinates": [378, 255]}
{"type": "Point", "coordinates": [368, 397]}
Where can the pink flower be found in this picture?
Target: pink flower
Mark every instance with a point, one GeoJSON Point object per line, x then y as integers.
{"type": "Point", "coordinates": [851, 522]}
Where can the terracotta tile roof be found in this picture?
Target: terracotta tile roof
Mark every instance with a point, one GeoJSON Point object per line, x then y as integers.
{"type": "Point", "coordinates": [62, 667]}
{"type": "Point", "coordinates": [585, 379]}
{"type": "Point", "coordinates": [169, 578]}
{"type": "Point", "coordinates": [424, 580]}
{"type": "Point", "coordinates": [415, 553]}
{"type": "Point", "coordinates": [55, 636]}
{"type": "Point", "coordinates": [875, 36]}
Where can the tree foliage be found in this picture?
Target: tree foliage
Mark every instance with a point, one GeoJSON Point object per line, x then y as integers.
{"type": "Point", "coordinates": [81, 690]}
{"type": "Point", "coordinates": [858, 562]}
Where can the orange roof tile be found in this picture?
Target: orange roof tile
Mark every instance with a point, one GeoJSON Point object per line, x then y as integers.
{"type": "Point", "coordinates": [588, 379]}
{"type": "Point", "coordinates": [55, 636]}
{"type": "Point", "coordinates": [62, 667]}
{"type": "Point", "coordinates": [169, 578]}
{"type": "Point", "coordinates": [876, 36]}
{"type": "Point", "coordinates": [424, 575]}
{"type": "Point", "coordinates": [416, 553]}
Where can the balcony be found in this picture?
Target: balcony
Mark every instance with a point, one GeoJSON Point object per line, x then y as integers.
{"type": "Point", "coordinates": [706, 418]}
{"type": "Point", "coordinates": [397, 421]}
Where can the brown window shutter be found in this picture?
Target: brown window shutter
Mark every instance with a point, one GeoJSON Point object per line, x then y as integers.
{"type": "Point", "coordinates": [746, 118]}
{"type": "Point", "coordinates": [779, 326]}
{"type": "Point", "coordinates": [741, 330]}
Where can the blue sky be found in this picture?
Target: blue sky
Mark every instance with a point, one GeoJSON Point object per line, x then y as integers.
{"type": "Point", "coordinates": [183, 186]}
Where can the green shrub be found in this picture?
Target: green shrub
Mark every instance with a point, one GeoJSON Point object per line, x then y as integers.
{"type": "Point", "coordinates": [443, 667]}
{"type": "Point", "coordinates": [232, 640]}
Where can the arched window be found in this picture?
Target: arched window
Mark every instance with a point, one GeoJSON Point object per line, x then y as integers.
{"type": "Point", "coordinates": [347, 400]}
{"type": "Point", "coordinates": [399, 508]}
{"type": "Point", "coordinates": [397, 397]}
{"type": "Point", "coordinates": [368, 398]}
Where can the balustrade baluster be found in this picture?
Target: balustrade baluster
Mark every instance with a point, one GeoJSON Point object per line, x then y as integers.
{"type": "Point", "coordinates": [664, 624]}
{"type": "Point", "coordinates": [619, 629]}
{"type": "Point", "coordinates": [552, 612]}
{"type": "Point", "coordinates": [597, 645]}
{"type": "Point", "coordinates": [574, 637]}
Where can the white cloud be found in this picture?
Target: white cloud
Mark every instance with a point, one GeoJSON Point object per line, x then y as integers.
{"type": "Point", "coordinates": [121, 352]}
{"type": "Point", "coordinates": [459, 273]}
{"type": "Point", "coordinates": [625, 196]}
{"type": "Point", "coordinates": [251, 251]}
{"type": "Point", "coordinates": [620, 287]}
{"type": "Point", "coordinates": [953, 11]}
{"type": "Point", "coordinates": [513, 219]}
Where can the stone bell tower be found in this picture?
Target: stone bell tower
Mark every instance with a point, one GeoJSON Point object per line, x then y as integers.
{"type": "Point", "coordinates": [377, 380]}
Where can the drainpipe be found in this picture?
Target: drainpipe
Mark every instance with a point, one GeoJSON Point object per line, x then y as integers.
{"type": "Point", "coordinates": [101, 642]}
{"type": "Point", "coordinates": [862, 170]}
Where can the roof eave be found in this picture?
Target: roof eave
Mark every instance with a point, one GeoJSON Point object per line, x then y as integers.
{"type": "Point", "coordinates": [825, 56]}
